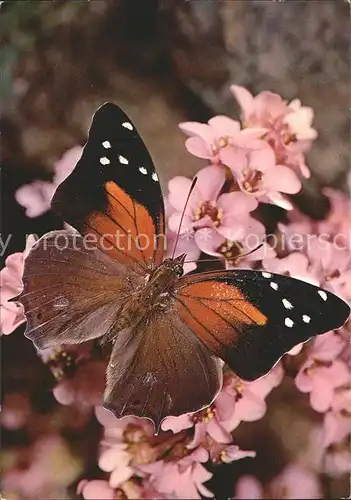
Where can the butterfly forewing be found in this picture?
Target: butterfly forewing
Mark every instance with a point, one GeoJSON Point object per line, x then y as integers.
{"type": "Point", "coordinates": [114, 193]}
{"type": "Point", "coordinates": [250, 319]}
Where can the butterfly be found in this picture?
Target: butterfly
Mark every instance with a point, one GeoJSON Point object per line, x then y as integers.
{"type": "Point", "coordinates": [170, 333]}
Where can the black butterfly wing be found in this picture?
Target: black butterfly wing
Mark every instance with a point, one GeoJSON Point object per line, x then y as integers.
{"type": "Point", "coordinates": [250, 319]}
{"type": "Point", "coordinates": [114, 193]}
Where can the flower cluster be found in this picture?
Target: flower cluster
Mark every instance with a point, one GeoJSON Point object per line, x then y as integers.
{"type": "Point", "coordinates": [257, 161]}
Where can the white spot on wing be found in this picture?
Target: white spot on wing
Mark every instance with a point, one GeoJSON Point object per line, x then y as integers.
{"type": "Point", "coordinates": [104, 160]}
{"type": "Point", "coordinates": [306, 318]}
{"type": "Point", "coordinates": [143, 170]}
{"type": "Point", "coordinates": [266, 275]}
{"type": "Point", "coordinates": [287, 304]}
{"type": "Point", "coordinates": [289, 322]}
{"type": "Point", "coordinates": [127, 125]}
{"type": "Point", "coordinates": [274, 285]}
{"type": "Point", "coordinates": [106, 144]}
{"type": "Point", "coordinates": [154, 176]}
{"type": "Point", "coordinates": [322, 294]}
{"type": "Point", "coordinates": [123, 160]}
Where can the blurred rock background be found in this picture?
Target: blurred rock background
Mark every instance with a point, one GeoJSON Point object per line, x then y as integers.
{"type": "Point", "coordinates": [165, 62]}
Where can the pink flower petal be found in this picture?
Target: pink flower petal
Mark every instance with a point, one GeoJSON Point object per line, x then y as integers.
{"type": "Point", "coordinates": [244, 98]}
{"type": "Point", "coordinates": [232, 453]}
{"type": "Point", "coordinates": [95, 490]}
{"type": "Point", "coordinates": [234, 157]}
{"type": "Point", "coordinates": [178, 192]}
{"type": "Point", "coordinates": [225, 405]}
{"type": "Point", "coordinates": [174, 222]}
{"type": "Point", "coordinates": [321, 397]}
{"type": "Point", "coordinates": [66, 164]}
{"type": "Point", "coordinates": [236, 203]}
{"type": "Point", "coordinates": [217, 432]}
{"type": "Point", "coordinates": [177, 424]}
{"type": "Point", "coordinates": [209, 183]}
{"type": "Point", "coordinates": [199, 434]}
{"type": "Point", "coordinates": [35, 197]}
{"type": "Point", "coordinates": [119, 475]}
{"type": "Point", "coordinates": [208, 240]}
{"type": "Point", "coordinates": [262, 159]}
{"type": "Point", "coordinates": [282, 179]}
{"type": "Point", "coordinates": [224, 126]}
{"type": "Point", "coordinates": [198, 147]}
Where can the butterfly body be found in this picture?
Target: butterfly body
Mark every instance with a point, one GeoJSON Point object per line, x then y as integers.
{"type": "Point", "coordinates": [168, 332]}
{"type": "Point", "coordinates": [150, 297]}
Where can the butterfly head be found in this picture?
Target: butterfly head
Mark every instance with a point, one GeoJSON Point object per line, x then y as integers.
{"type": "Point", "coordinates": [176, 265]}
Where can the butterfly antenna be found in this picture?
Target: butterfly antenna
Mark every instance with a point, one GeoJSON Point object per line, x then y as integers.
{"type": "Point", "coordinates": [221, 258]}
{"type": "Point", "coordinates": [250, 252]}
{"type": "Point", "coordinates": [182, 217]}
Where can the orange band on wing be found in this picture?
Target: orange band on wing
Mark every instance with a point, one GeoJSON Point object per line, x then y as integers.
{"type": "Point", "coordinates": [127, 230]}
{"type": "Point", "coordinates": [217, 312]}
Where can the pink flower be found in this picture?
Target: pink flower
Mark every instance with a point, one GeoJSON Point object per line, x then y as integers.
{"type": "Point", "coordinates": [248, 488]}
{"type": "Point", "coordinates": [36, 196]}
{"type": "Point", "coordinates": [296, 482]}
{"type": "Point", "coordinates": [289, 129]}
{"type": "Point", "coordinates": [250, 397]}
{"type": "Point", "coordinates": [208, 140]}
{"type": "Point", "coordinates": [85, 388]}
{"type": "Point", "coordinates": [320, 378]}
{"type": "Point", "coordinates": [333, 266]}
{"type": "Point", "coordinates": [337, 421]}
{"type": "Point", "coordinates": [181, 479]}
{"type": "Point", "coordinates": [51, 468]}
{"type": "Point", "coordinates": [300, 121]}
{"type": "Point", "coordinates": [64, 166]}
{"type": "Point", "coordinates": [11, 313]}
{"type": "Point", "coordinates": [208, 422]}
{"type": "Point", "coordinates": [237, 253]}
{"type": "Point", "coordinates": [265, 110]}
{"type": "Point", "coordinates": [227, 213]}
{"type": "Point", "coordinates": [116, 460]}
{"type": "Point", "coordinates": [95, 490]}
{"type": "Point", "coordinates": [258, 174]}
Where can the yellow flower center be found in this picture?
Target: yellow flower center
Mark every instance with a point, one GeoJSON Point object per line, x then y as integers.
{"type": "Point", "coordinates": [231, 250]}
{"type": "Point", "coordinates": [210, 209]}
{"type": "Point", "coordinates": [219, 143]}
{"type": "Point", "coordinates": [252, 179]}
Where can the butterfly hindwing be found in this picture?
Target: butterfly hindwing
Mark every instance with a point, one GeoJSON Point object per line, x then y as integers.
{"type": "Point", "coordinates": [71, 293]}
{"type": "Point", "coordinates": [114, 194]}
{"type": "Point", "coordinates": [250, 319]}
{"type": "Point", "coordinates": [160, 368]}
